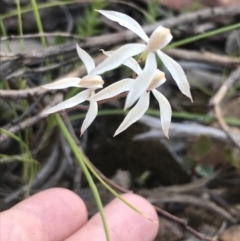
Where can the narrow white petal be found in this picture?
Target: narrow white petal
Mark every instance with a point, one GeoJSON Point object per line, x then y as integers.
{"type": "Point", "coordinates": [86, 59]}
{"type": "Point", "coordinates": [130, 62]}
{"type": "Point", "coordinates": [126, 22]}
{"type": "Point", "coordinates": [135, 113]}
{"type": "Point", "coordinates": [165, 111]}
{"type": "Point", "coordinates": [118, 57]}
{"type": "Point", "coordinates": [141, 83]}
{"type": "Point", "coordinates": [113, 90]}
{"type": "Point", "coordinates": [63, 83]}
{"type": "Point", "coordinates": [75, 100]}
{"type": "Point", "coordinates": [177, 73]}
{"type": "Point", "coordinates": [133, 65]}
{"type": "Point", "coordinates": [91, 115]}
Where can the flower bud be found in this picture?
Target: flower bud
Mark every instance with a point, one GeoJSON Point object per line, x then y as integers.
{"type": "Point", "coordinates": [159, 39]}
{"type": "Point", "coordinates": [158, 79]}
{"type": "Point", "coordinates": [92, 82]}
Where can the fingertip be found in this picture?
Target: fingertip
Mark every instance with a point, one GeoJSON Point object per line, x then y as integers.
{"type": "Point", "coordinates": [135, 226]}
{"type": "Point", "coordinates": [49, 215]}
{"type": "Point", "coordinates": [123, 222]}
{"type": "Point", "coordinates": [60, 199]}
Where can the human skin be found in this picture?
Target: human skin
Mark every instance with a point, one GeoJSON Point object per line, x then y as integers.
{"type": "Point", "coordinates": [58, 214]}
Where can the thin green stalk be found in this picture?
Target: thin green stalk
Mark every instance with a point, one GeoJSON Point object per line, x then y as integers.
{"type": "Point", "coordinates": [18, 139]}
{"type": "Point", "coordinates": [22, 158]}
{"type": "Point", "coordinates": [25, 148]}
{"type": "Point", "coordinates": [10, 50]}
{"type": "Point", "coordinates": [60, 3]}
{"type": "Point", "coordinates": [182, 115]}
{"type": "Point", "coordinates": [82, 162]}
{"type": "Point", "coordinates": [30, 9]}
{"type": "Point", "coordinates": [6, 85]}
{"type": "Point", "coordinates": [202, 36]}
{"type": "Point", "coordinates": [26, 167]}
{"type": "Point", "coordinates": [39, 22]}
{"type": "Point", "coordinates": [20, 29]}
{"type": "Point", "coordinates": [113, 191]}
{"type": "Point", "coordinates": [40, 30]}
{"type": "Point", "coordinates": [4, 33]}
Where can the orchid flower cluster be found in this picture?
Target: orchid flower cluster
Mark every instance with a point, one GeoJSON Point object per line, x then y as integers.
{"type": "Point", "coordinates": [147, 80]}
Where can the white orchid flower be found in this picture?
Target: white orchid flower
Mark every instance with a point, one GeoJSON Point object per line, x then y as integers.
{"type": "Point", "coordinates": [143, 103]}
{"type": "Point", "coordinates": [158, 40]}
{"type": "Point", "coordinates": [90, 81]}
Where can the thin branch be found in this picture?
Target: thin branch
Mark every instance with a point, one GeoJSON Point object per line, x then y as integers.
{"type": "Point", "coordinates": [207, 57]}
{"type": "Point", "coordinates": [26, 113]}
{"type": "Point", "coordinates": [190, 199]}
{"type": "Point", "coordinates": [31, 121]}
{"type": "Point", "coordinates": [107, 40]}
{"type": "Point", "coordinates": [41, 176]}
{"type": "Point", "coordinates": [217, 99]}
{"type": "Point", "coordinates": [183, 224]}
{"type": "Point", "coordinates": [36, 91]}
{"type": "Point", "coordinates": [181, 130]}
{"type": "Point", "coordinates": [39, 35]}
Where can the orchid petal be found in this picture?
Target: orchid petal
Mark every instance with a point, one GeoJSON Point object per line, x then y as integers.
{"type": "Point", "coordinates": [165, 110]}
{"type": "Point", "coordinates": [177, 73]}
{"type": "Point", "coordinates": [118, 57]}
{"type": "Point", "coordinates": [63, 83]}
{"type": "Point", "coordinates": [126, 22]}
{"type": "Point", "coordinates": [75, 100]}
{"type": "Point", "coordinates": [86, 59]}
{"type": "Point", "coordinates": [135, 113]}
{"type": "Point", "coordinates": [130, 62]}
{"type": "Point", "coordinates": [141, 83]}
{"type": "Point", "coordinates": [91, 115]}
{"type": "Point", "coordinates": [113, 90]}
{"type": "Point", "coordinates": [133, 65]}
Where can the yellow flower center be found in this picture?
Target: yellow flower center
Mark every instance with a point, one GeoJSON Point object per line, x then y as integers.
{"type": "Point", "coordinates": [159, 39]}
{"type": "Point", "coordinates": [92, 82]}
{"type": "Point", "coordinates": [158, 79]}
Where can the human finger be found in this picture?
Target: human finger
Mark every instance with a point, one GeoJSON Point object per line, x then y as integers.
{"type": "Point", "coordinates": [51, 215]}
{"type": "Point", "coordinates": [123, 222]}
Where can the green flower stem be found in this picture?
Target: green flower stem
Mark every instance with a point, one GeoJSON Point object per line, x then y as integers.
{"type": "Point", "coordinates": [4, 33]}
{"type": "Point", "coordinates": [20, 29]}
{"type": "Point", "coordinates": [40, 30]}
{"type": "Point", "coordinates": [38, 20]}
{"type": "Point", "coordinates": [24, 147]}
{"type": "Point", "coordinates": [114, 192]}
{"type": "Point", "coordinates": [85, 166]}
{"type": "Point", "coordinates": [202, 36]}
{"type": "Point", "coordinates": [82, 161]}
{"type": "Point", "coordinates": [152, 112]}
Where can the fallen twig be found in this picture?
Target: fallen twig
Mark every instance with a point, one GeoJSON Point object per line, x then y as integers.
{"type": "Point", "coordinates": [207, 57]}
{"type": "Point", "coordinates": [36, 91]}
{"type": "Point", "coordinates": [42, 175]}
{"type": "Point", "coordinates": [181, 130]}
{"type": "Point", "coordinates": [217, 99]}
{"type": "Point", "coordinates": [184, 198]}
{"type": "Point", "coordinates": [107, 40]}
